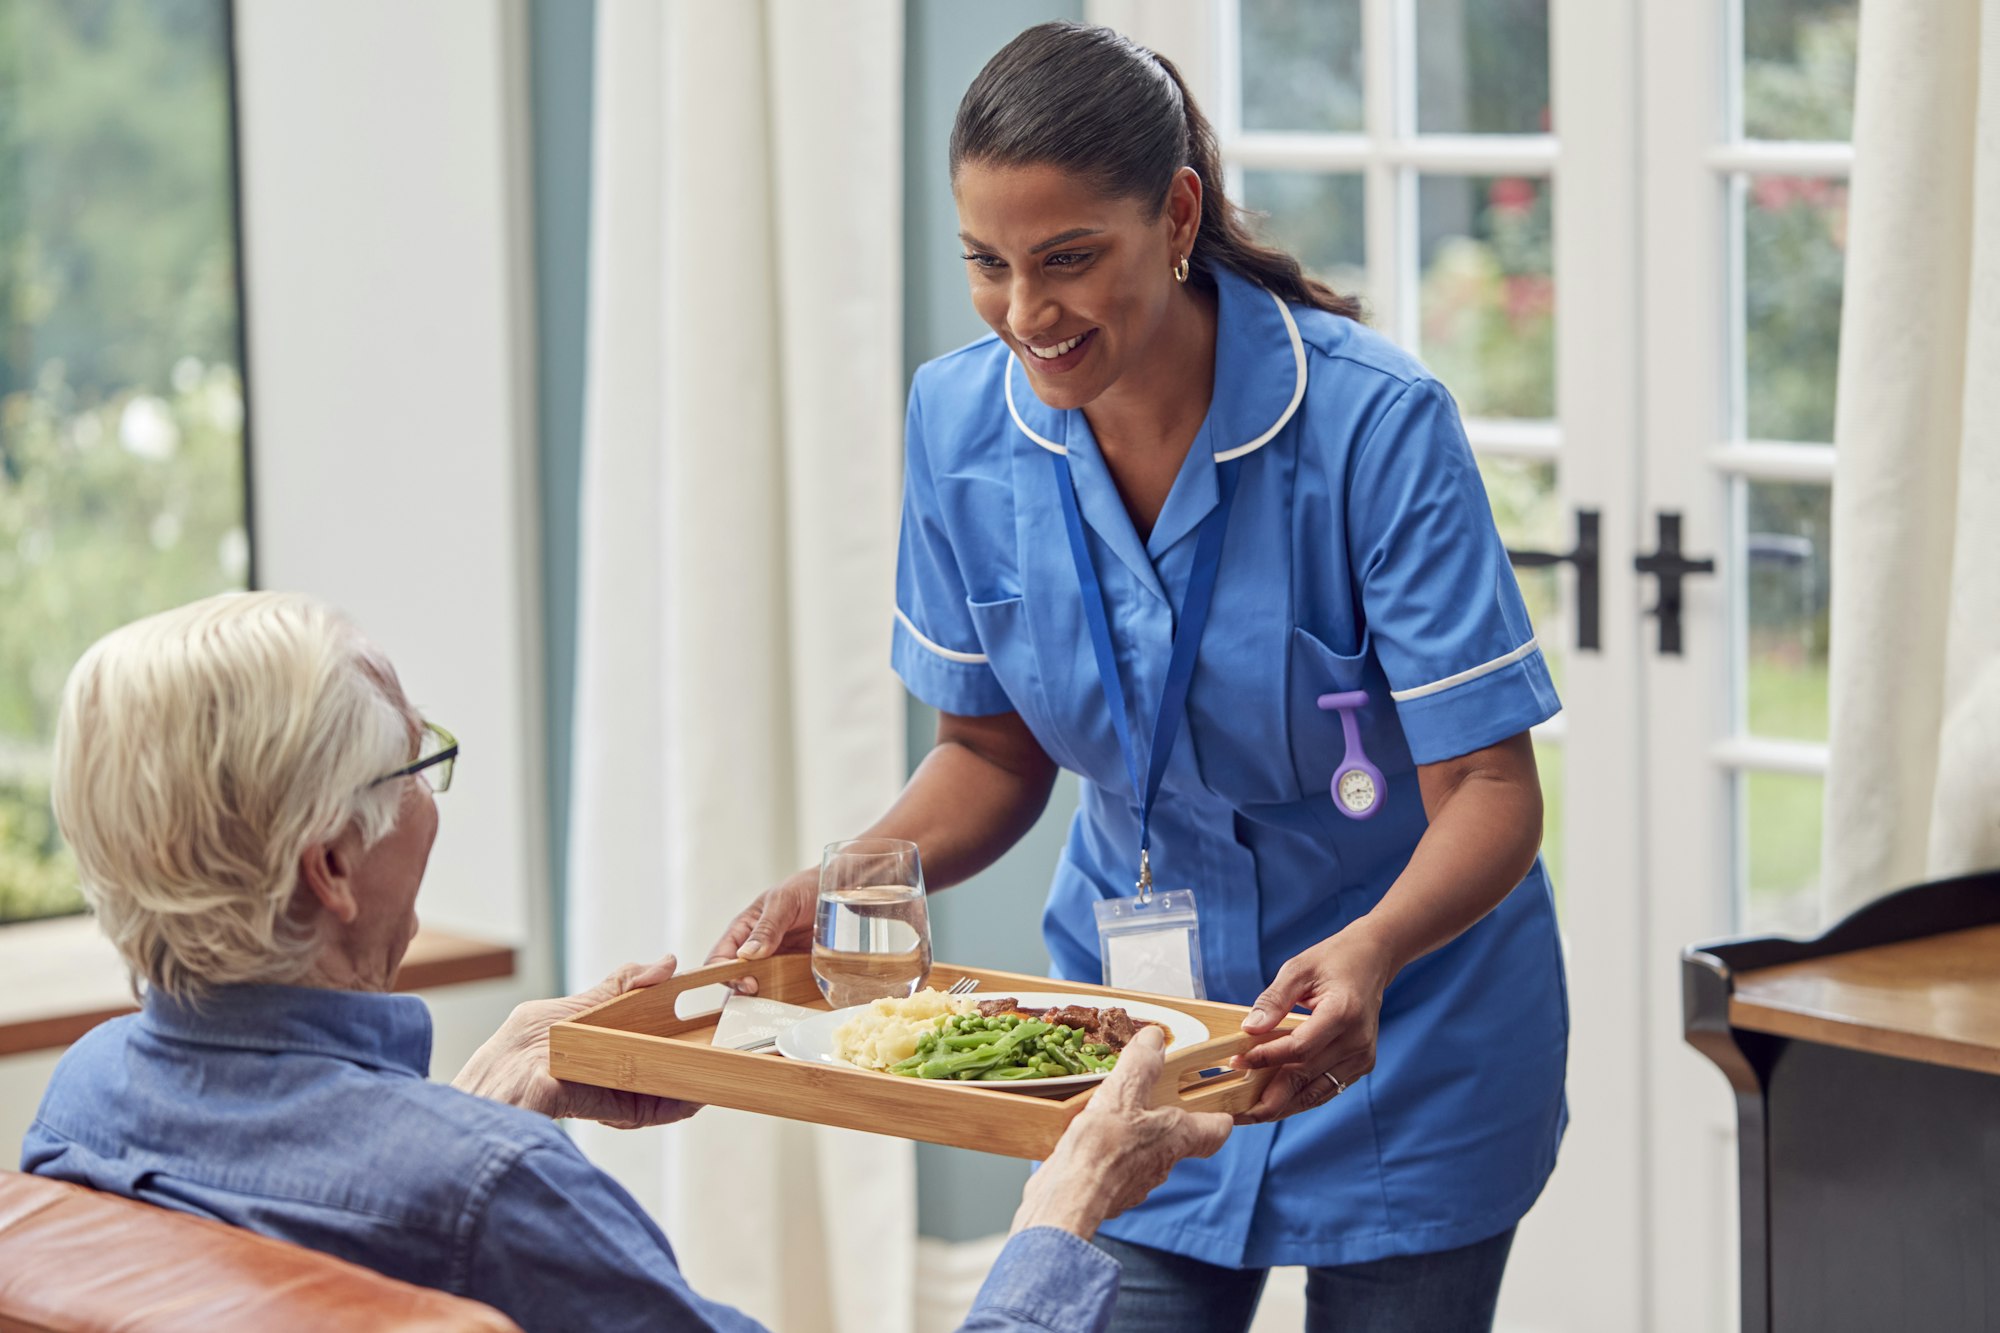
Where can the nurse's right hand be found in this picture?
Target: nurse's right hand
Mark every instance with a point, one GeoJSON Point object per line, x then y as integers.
{"type": "Point", "coordinates": [778, 920]}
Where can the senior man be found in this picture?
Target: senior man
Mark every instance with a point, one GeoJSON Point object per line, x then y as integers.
{"type": "Point", "coordinates": [250, 799]}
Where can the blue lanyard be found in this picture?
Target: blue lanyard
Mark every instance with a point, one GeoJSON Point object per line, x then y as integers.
{"type": "Point", "coordinates": [1187, 640]}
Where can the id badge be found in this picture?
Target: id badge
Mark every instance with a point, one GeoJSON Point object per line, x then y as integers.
{"type": "Point", "coordinates": [1152, 944]}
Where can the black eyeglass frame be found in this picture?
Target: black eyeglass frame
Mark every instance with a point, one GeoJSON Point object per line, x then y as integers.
{"type": "Point", "coordinates": [447, 751]}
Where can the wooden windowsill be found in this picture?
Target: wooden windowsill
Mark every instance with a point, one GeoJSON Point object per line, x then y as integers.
{"type": "Point", "coordinates": [59, 979]}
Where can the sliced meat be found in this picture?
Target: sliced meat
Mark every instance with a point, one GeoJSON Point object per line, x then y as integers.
{"type": "Point", "coordinates": [1109, 1026]}
{"type": "Point", "coordinates": [1119, 1028]}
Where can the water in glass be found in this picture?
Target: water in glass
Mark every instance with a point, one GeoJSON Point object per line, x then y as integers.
{"type": "Point", "coordinates": [872, 934]}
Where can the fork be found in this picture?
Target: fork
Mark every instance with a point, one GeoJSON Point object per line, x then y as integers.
{"type": "Point", "coordinates": [963, 986]}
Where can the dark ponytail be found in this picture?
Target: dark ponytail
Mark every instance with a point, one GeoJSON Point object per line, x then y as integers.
{"type": "Point", "coordinates": [1095, 103]}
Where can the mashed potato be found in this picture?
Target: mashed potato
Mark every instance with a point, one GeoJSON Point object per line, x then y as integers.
{"type": "Point", "coordinates": [888, 1031]}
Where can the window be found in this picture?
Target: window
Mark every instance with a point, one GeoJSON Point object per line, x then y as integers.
{"type": "Point", "coordinates": [1414, 165]}
{"type": "Point", "coordinates": [122, 461]}
{"type": "Point", "coordinates": [1784, 175]}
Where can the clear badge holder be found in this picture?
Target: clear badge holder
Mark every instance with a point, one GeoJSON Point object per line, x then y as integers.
{"type": "Point", "coordinates": [1151, 942]}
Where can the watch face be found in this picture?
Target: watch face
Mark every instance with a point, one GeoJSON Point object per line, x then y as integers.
{"type": "Point", "coordinates": [1357, 790]}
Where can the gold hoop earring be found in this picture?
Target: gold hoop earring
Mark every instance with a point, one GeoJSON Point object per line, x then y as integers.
{"type": "Point", "coordinates": [1181, 270]}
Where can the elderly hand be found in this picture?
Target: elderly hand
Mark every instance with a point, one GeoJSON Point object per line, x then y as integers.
{"type": "Point", "coordinates": [1341, 980]}
{"type": "Point", "coordinates": [513, 1065]}
{"type": "Point", "coordinates": [1119, 1148]}
{"type": "Point", "coordinates": [777, 920]}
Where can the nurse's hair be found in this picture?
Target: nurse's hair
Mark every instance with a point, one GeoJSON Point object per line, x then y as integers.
{"type": "Point", "coordinates": [198, 754]}
{"type": "Point", "coordinates": [1095, 103]}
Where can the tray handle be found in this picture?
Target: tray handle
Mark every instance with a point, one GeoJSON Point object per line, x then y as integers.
{"type": "Point", "coordinates": [652, 1010]}
{"type": "Point", "coordinates": [1234, 1091]}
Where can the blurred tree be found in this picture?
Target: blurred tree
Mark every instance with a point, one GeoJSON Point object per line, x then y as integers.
{"type": "Point", "coordinates": [1302, 65]}
{"type": "Point", "coordinates": [121, 412]}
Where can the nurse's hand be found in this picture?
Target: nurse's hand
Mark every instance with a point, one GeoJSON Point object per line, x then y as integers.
{"type": "Point", "coordinates": [778, 920]}
{"type": "Point", "coordinates": [1340, 981]}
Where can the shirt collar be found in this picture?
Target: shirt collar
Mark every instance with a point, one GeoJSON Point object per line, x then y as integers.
{"type": "Point", "coordinates": [1260, 376]}
{"type": "Point", "coordinates": [1260, 380]}
{"type": "Point", "coordinates": [391, 1032]}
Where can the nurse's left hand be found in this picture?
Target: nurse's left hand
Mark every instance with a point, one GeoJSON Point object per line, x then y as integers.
{"type": "Point", "coordinates": [1341, 981]}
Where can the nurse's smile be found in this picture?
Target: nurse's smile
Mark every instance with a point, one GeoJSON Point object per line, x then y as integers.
{"type": "Point", "coordinates": [1060, 357]}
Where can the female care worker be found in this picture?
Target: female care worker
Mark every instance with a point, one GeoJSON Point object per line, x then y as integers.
{"type": "Point", "coordinates": [1171, 426]}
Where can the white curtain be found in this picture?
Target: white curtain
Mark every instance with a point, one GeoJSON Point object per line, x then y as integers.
{"type": "Point", "coordinates": [735, 707]}
{"type": "Point", "coordinates": [1914, 787]}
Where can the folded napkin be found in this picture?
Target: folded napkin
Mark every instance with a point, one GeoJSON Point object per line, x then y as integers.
{"type": "Point", "coordinates": [749, 1020]}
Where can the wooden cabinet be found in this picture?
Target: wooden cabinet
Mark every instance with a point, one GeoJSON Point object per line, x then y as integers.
{"type": "Point", "coordinates": [1866, 1068]}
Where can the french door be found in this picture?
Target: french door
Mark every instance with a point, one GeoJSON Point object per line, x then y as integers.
{"type": "Point", "coordinates": [1614, 229]}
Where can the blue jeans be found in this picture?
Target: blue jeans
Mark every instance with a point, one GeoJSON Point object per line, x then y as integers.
{"type": "Point", "coordinates": [1453, 1291]}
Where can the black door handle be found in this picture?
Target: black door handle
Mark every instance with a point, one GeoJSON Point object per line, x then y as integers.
{"type": "Point", "coordinates": [1584, 557]}
{"type": "Point", "coordinates": [1671, 567]}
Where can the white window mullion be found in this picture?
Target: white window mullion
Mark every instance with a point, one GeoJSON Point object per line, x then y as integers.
{"type": "Point", "coordinates": [1454, 154]}
{"type": "Point", "coordinates": [1774, 460]}
{"type": "Point", "coordinates": [1528, 441]}
{"type": "Point", "coordinates": [1832, 161]}
{"type": "Point", "coordinates": [1389, 288]}
{"type": "Point", "coordinates": [1757, 754]}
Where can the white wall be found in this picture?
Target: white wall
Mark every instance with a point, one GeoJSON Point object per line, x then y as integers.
{"type": "Point", "coordinates": [388, 305]}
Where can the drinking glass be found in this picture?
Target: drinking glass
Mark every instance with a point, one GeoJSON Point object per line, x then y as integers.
{"type": "Point", "coordinates": [872, 932]}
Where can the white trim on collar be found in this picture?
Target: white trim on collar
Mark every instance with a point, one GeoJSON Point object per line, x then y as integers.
{"type": "Point", "coordinates": [946, 653]}
{"type": "Point", "coordinates": [1298, 396]}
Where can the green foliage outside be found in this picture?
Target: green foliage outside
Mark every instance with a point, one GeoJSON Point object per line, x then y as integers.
{"type": "Point", "coordinates": [121, 412]}
{"type": "Point", "coordinates": [1487, 298]}
{"type": "Point", "coordinates": [1302, 63]}
{"type": "Point", "coordinates": [1798, 69]}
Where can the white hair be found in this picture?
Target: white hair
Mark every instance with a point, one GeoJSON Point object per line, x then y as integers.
{"type": "Point", "coordinates": [199, 753]}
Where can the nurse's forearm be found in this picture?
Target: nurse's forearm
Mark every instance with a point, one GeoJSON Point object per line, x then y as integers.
{"type": "Point", "coordinates": [982, 786]}
{"type": "Point", "coordinates": [1485, 810]}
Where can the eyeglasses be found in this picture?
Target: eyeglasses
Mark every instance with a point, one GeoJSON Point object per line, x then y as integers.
{"type": "Point", "coordinates": [437, 755]}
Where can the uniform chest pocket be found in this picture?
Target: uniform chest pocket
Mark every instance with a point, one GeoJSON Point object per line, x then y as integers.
{"type": "Point", "coordinates": [1317, 740]}
{"type": "Point", "coordinates": [1003, 630]}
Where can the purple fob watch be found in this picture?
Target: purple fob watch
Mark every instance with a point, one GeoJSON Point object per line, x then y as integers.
{"type": "Point", "coordinates": [1358, 785]}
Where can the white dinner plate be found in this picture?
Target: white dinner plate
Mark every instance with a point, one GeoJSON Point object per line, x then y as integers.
{"type": "Point", "coordinates": [812, 1038]}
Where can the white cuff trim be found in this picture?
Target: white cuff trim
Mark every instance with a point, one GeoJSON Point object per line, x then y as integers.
{"type": "Point", "coordinates": [1483, 669]}
{"type": "Point", "coordinates": [942, 651]}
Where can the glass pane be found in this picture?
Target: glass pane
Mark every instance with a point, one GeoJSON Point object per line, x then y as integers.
{"type": "Point", "coordinates": [1487, 292]}
{"type": "Point", "coordinates": [1301, 65]}
{"type": "Point", "coordinates": [1549, 763]}
{"type": "Point", "coordinates": [121, 415]}
{"type": "Point", "coordinates": [1788, 550]}
{"type": "Point", "coordinates": [1483, 66]}
{"type": "Point", "coordinates": [1781, 828]}
{"type": "Point", "coordinates": [1317, 217]}
{"type": "Point", "coordinates": [1798, 68]}
{"type": "Point", "coordinates": [1794, 255]}
{"type": "Point", "coordinates": [1528, 513]}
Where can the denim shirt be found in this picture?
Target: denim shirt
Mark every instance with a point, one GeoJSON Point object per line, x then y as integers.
{"type": "Point", "coordinates": [307, 1115]}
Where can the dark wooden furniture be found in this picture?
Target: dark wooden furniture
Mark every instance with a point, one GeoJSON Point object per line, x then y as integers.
{"type": "Point", "coordinates": [1866, 1067]}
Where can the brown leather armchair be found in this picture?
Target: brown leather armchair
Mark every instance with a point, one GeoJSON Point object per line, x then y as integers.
{"type": "Point", "coordinates": [74, 1260]}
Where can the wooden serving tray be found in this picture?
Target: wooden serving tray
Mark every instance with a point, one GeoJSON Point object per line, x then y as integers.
{"type": "Point", "coordinates": [636, 1042]}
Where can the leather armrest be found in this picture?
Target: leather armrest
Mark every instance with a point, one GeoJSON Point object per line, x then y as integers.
{"type": "Point", "coordinates": [75, 1260]}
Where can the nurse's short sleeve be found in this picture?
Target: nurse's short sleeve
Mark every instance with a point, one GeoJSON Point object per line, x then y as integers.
{"type": "Point", "coordinates": [1443, 611]}
{"type": "Point", "coordinates": [936, 649]}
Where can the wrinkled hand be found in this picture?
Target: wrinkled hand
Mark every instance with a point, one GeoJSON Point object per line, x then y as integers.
{"type": "Point", "coordinates": [513, 1065]}
{"type": "Point", "coordinates": [778, 920]}
{"type": "Point", "coordinates": [1341, 981]}
{"type": "Point", "coordinates": [1119, 1149]}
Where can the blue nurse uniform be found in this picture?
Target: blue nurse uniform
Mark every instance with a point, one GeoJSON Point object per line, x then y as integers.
{"type": "Point", "coordinates": [1360, 554]}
